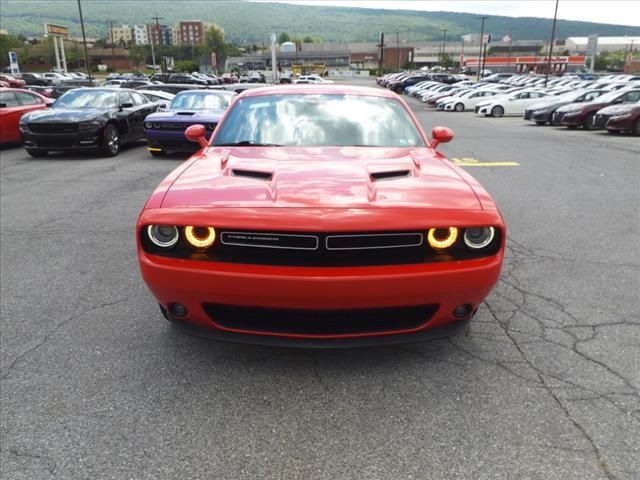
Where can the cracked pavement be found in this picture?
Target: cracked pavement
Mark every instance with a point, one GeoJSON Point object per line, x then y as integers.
{"type": "Point", "coordinates": [543, 385]}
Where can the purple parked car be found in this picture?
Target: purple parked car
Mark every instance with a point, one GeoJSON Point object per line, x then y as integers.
{"type": "Point", "coordinates": [165, 130]}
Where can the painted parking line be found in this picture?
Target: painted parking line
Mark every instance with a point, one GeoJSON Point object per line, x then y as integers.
{"type": "Point", "coordinates": [472, 162]}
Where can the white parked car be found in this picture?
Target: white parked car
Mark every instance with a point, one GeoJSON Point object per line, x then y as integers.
{"type": "Point", "coordinates": [162, 99]}
{"type": "Point", "coordinates": [513, 104]}
{"type": "Point", "coordinates": [312, 79]}
{"type": "Point", "coordinates": [466, 101]}
{"type": "Point", "coordinates": [56, 78]}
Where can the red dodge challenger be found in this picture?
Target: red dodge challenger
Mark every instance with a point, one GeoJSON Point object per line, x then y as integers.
{"type": "Point", "coordinates": [320, 216]}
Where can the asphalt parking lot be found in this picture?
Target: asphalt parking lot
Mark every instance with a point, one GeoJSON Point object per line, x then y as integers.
{"type": "Point", "coordinates": [543, 385]}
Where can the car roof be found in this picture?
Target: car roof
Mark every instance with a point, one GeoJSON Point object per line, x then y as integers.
{"type": "Point", "coordinates": [319, 89]}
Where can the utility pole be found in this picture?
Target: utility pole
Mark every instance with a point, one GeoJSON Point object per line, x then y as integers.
{"type": "Point", "coordinates": [510, 44]}
{"type": "Point", "coordinates": [553, 34]}
{"type": "Point", "coordinates": [113, 50]}
{"type": "Point", "coordinates": [481, 43]}
{"type": "Point", "coordinates": [398, 48]}
{"type": "Point", "coordinates": [84, 41]}
{"type": "Point", "coordinates": [444, 41]}
{"type": "Point", "coordinates": [381, 55]}
{"type": "Point", "coordinates": [153, 55]}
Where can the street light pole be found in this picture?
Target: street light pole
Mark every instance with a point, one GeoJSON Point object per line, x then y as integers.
{"type": "Point", "coordinates": [444, 41]}
{"type": "Point", "coordinates": [553, 34]}
{"type": "Point", "coordinates": [84, 41]}
{"type": "Point", "coordinates": [481, 42]}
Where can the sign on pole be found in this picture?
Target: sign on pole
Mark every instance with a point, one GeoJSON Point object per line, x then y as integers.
{"type": "Point", "coordinates": [58, 30]}
{"type": "Point", "coordinates": [13, 63]}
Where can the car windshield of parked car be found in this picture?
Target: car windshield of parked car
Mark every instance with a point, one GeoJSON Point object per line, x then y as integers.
{"type": "Point", "coordinates": [200, 101]}
{"type": "Point", "coordinates": [88, 99]}
{"type": "Point", "coordinates": [319, 120]}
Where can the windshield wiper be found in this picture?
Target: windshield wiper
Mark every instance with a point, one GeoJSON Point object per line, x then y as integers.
{"type": "Point", "coordinates": [245, 143]}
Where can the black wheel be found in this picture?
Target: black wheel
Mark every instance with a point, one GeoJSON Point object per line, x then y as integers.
{"type": "Point", "coordinates": [459, 107]}
{"type": "Point", "coordinates": [497, 111]}
{"type": "Point", "coordinates": [587, 123]}
{"type": "Point", "coordinates": [37, 153]}
{"type": "Point", "coordinates": [541, 123]}
{"type": "Point", "coordinates": [636, 128]}
{"type": "Point", "coordinates": [111, 146]}
{"type": "Point", "coordinates": [156, 153]}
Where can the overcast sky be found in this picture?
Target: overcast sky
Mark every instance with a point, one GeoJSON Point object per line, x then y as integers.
{"type": "Point", "coordinates": [618, 12]}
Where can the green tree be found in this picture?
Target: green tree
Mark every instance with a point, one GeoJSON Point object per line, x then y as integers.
{"type": "Point", "coordinates": [284, 37]}
{"type": "Point", "coordinates": [187, 66]}
{"type": "Point", "coordinates": [307, 39]}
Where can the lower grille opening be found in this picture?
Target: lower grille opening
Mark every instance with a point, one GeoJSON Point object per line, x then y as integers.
{"type": "Point", "coordinates": [319, 322]}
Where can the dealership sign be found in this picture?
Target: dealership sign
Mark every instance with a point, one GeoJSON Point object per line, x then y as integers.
{"type": "Point", "coordinates": [13, 63]}
{"type": "Point", "coordinates": [57, 30]}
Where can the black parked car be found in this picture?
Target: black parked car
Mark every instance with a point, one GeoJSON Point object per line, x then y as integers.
{"type": "Point", "coordinates": [137, 83]}
{"type": "Point", "coordinates": [400, 85]}
{"type": "Point", "coordinates": [87, 119]}
{"type": "Point", "coordinates": [178, 87]}
{"type": "Point", "coordinates": [35, 79]}
{"type": "Point", "coordinates": [186, 78]}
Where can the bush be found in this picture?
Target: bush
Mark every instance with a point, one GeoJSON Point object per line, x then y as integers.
{"type": "Point", "coordinates": [187, 66]}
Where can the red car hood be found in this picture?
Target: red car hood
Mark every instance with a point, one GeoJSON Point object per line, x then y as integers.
{"type": "Point", "coordinates": [320, 177]}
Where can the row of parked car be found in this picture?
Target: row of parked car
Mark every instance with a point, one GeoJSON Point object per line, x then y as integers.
{"type": "Point", "coordinates": [104, 118]}
{"type": "Point", "coordinates": [609, 102]}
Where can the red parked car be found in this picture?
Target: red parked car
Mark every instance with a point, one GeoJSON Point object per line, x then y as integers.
{"type": "Point", "coordinates": [14, 103]}
{"type": "Point", "coordinates": [12, 81]}
{"type": "Point", "coordinates": [625, 120]}
{"type": "Point", "coordinates": [319, 217]}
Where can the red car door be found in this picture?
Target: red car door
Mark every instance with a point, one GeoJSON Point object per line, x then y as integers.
{"type": "Point", "coordinates": [14, 104]}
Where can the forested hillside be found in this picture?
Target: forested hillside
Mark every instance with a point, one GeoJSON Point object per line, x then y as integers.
{"type": "Point", "coordinates": [253, 22]}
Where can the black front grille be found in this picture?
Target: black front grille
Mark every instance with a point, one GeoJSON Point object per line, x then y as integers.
{"type": "Point", "coordinates": [322, 249]}
{"type": "Point", "coordinates": [173, 125]}
{"type": "Point", "coordinates": [320, 322]}
{"type": "Point", "coordinates": [527, 114]}
{"type": "Point", "coordinates": [55, 142]}
{"type": "Point", "coordinates": [599, 121]}
{"type": "Point", "coordinates": [53, 127]}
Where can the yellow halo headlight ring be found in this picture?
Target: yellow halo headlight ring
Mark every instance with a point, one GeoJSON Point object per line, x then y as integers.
{"type": "Point", "coordinates": [200, 237]}
{"type": "Point", "coordinates": [442, 238]}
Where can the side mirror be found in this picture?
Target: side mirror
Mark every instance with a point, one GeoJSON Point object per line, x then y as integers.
{"type": "Point", "coordinates": [195, 133]}
{"type": "Point", "coordinates": [126, 105]}
{"type": "Point", "coordinates": [440, 135]}
{"type": "Point", "coordinates": [3, 105]}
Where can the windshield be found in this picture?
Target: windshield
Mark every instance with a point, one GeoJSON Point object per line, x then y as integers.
{"type": "Point", "coordinates": [200, 101]}
{"type": "Point", "coordinates": [319, 120]}
{"type": "Point", "coordinates": [88, 99]}
{"type": "Point", "coordinates": [608, 97]}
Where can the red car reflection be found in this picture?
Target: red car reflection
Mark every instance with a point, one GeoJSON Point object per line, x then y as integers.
{"type": "Point", "coordinates": [320, 216]}
{"type": "Point", "coordinates": [14, 103]}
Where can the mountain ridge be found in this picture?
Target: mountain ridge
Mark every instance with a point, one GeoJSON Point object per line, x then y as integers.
{"type": "Point", "coordinates": [253, 22]}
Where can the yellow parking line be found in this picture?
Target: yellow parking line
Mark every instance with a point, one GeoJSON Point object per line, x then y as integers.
{"type": "Point", "coordinates": [153, 149]}
{"type": "Point", "coordinates": [472, 162]}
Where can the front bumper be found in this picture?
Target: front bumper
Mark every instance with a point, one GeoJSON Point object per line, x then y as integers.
{"type": "Point", "coordinates": [535, 116]}
{"type": "Point", "coordinates": [77, 141]}
{"type": "Point", "coordinates": [572, 119]}
{"type": "Point", "coordinates": [171, 140]}
{"type": "Point", "coordinates": [196, 284]}
{"type": "Point", "coordinates": [619, 124]}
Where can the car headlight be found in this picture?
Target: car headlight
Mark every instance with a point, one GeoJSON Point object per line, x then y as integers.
{"type": "Point", "coordinates": [442, 238]}
{"type": "Point", "coordinates": [477, 238]}
{"type": "Point", "coordinates": [148, 125]}
{"type": "Point", "coordinates": [163, 236]}
{"type": "Point", "coordinates": [200, 237]}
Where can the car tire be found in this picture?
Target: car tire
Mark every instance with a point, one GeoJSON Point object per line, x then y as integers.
{"type": "Point", "coordinates": [157, 154]}
{"type": "Point", "coordinates": [459, 107]}
{"type": "Point", "coordinates": [37, 153]}
{"type": "Point", "coordinates": [636, 128]}
{"type": "Point", "coordinates": [111, 146]}
{"type": "Point", "coordinates": [497, 111]}
{"type": "Point", "coordinates": [541, 123]}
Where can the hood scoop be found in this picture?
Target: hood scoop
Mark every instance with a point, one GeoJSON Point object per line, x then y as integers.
{"type": "Point", "coordinates": [236, 172]}
{"type": "Point", "coordinates": [390, 175]}
{"type": "Point", "coordinates": [189, 114]}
